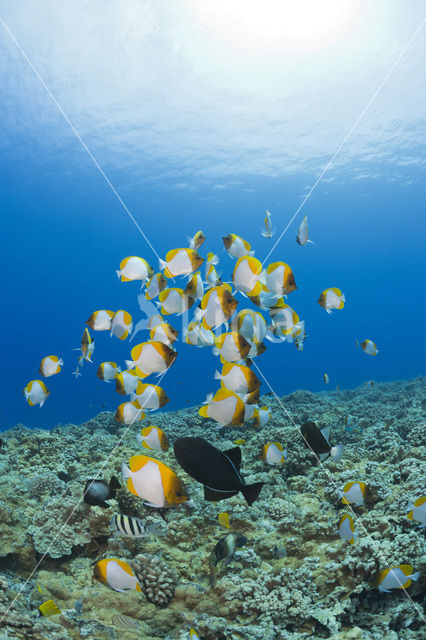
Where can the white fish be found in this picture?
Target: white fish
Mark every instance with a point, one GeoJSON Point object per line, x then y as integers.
{"type": "Point", "coordinates": [302, 235]}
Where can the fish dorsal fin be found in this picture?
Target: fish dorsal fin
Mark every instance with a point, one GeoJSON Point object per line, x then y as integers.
{"type": "Point", "coordinates": [326, 432]}
{"type": "Point", "coordinates": [234, 455]}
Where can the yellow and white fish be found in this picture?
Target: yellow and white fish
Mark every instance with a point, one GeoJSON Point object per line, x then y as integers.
{"type": "Point", "coordinates": [151, 357]}
{"type": "Point", "coordinates": [197, 240]}
{"type": "Point", "coordinates": [155, 286]}
{"type": "Point", "coordinates": [261, 416]}
{"type": "Point", "coordinates": [280, 279]}
{"type": "Point", "coordinates": [193, 635]}
{"type": "Point", "coordinates": [248, 276]}
{"type": "Point", "coordinates": [100, 320]}
{"type": "Point", "coordinates": [36, 392]}
{"type": "Point", "coordinates": [121, 324]}
{"type": "Point", "coordinates": [226, 408]}
{"type": "Point", "coordinates": [153, 481]}
{"type": "Point", "coordinates": [50, 365]}
{"type": "Point", "coordinates": [212, 277]}
{"type": "Point", "coordinates": [369, 347]}
{"type": "Point", "coordinates": [126, 382]}
{"type": "Point", "coordinates": [302, 234]}
{"type": "Point", "coordinates": [129, 412]}
{"type": "Point", "coordinates": [331, 299]}
{"type": "Point", "coordinates": [285, 323]}
{"type": "Point", "coordinates": [164, 333]}
{"type": "Point", "coordinates": [273, 453]}
{"type": "Point", "coordinates": [134, 268]}
{"type": "Point", "coordinates": [107, 371]}
{"type": "Point", "coordinates": [345, 529]}
{"type": "Point", "coordinates": [238, 378]}
{"type": "Point", "coordinates": [196, 335]}
{"type": "Point", "coordinates": [149, 396]}
{"type": "Point", "coordinates": [87, 348]}
{"type": "Point", "coordinates": [231, 347]}
{"type": "Point", "coordinates": [236, 246]}
{"type": "Point", "coordinates": [181, 262]}
{"type": "Point", "coordinates": [212, 258]}
{"type": "Point", "coordinates": [399, 577]}
{"type": "Point", "coordinates": [353, 493]}
{"type": "Point", "coordinates": [174, 301]}
{"type": "Point", "coordinates": [266, 299]}
{"type": "Point", "coordinates": [195, 286]}
{"type": "Point", "coordinates": [417, 511]}
{"type": "Point", "coordinates": [325, 378]}
{"type": "Point", "coordinates": [153, 438]}
{"type": "Point", "coordinates": [117, 575]}
{"type": "Point", "coordinates": [217, 307]}
{"type": "Point", "coordinates": [250, 324]}
{"type": "Point", "coordinates": [268, 232]}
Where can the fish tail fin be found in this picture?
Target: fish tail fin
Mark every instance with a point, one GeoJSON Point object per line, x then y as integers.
{"type": "Point", "coordinates": [251, 492]}
{"type": "Point", "coordinates": [310, 242]}
{"type": "Point", "coordinates": [342, 297]}
{"type": "Point", "coordinates": [336, 452]}
{"type": "Point", "coordinates": [415, 576]}
{"type": "Point", "coordinates": [215, 351]}
{"type": "Point", "coordinates": [129, 364]}
{"type": "Point", "coordinates": [125, 472]}
{"type": "Point", "coordinates": [118, 273]}
{"type": "Point", "coordinates": [217, 375]}
{"type": "Point", "coordinates": [162, 264]}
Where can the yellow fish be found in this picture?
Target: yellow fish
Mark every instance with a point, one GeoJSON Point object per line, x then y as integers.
{"type": "Point", "coordinates": [117, 575]}
{"type": "Point", "coordinates": [369, 347]}
{"type": "Point", "coordinates": [248, 276]}
{"type": "Point", "coordinates": [226, 408]}
{"type": "Point", "coordinates": [280, 279]}
{"type": "Point", "coordinates": [129, 412]}
{"type": "Point", "coordinates": [268, 233]}
{"type": "Point", "coordinates": [174, 301]}
{"type": "Point", "coordinates": [331, 298]}
{"type": "Point", "coordinates": [151, 357]}
{"type": "Point", "coordinates": [50, 365]}
{"type": "Point", "coordinates": [240, 441]}
{"type": "Point", "coordinates": [100, 320]}
{"type": "Point", "coordinates": [197, 240]}
{"type": "Point", "coordinates": [217, 307]}
{"type": "Point", "coordinates": [153, 481]}
{"type": "Point", "coordinates": [121, 324]}
{"type": "Point", "coordinates": [181, 262]}
{"type": "Point", "coordinates": [153, 438]}
{"type": "Point", "coordinates": [49, 608]}
{"type": "Point", "coordinates": [231, 347]}
{"type": "Point", "coordinates": [236, 246]}
{"type": "Point", "coordinates": [223, 519]}
{"type": "Point", "coordinates": [134, 268]}
{"type": "Point", "coordinates": [155, 286]}
{"type": "Point", "coordinates": [36, 392]}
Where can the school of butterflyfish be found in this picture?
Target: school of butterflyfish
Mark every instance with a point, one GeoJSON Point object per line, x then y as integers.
{"type": "Point", "coordinates": [236, 336]}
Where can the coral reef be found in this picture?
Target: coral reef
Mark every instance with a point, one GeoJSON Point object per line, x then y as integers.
{"type": "Point", "coordinates": [158, 582]}
{"type": "Point", "coordinates": [293, 579]}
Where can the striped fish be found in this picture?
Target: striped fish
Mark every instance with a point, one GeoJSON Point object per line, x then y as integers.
{"type": "Point", "coordinates": [127, 526]}
{"type": "Point", "coordinates": [132, 527]}
{"type": "Point", "coordinates": [125, 622]}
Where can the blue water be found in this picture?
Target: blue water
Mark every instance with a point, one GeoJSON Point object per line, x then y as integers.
{"type": "Point", "coordinates": [181, 166]}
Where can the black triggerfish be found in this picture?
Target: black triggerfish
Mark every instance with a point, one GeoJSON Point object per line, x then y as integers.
{"type": "Point", "coordinates": [218, 471]}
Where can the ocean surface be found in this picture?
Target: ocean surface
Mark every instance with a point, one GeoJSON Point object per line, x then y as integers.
{"type": "Point", "coordinates": [125, 128]}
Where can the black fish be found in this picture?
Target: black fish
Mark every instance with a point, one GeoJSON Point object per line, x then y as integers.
{"type": "Point", "coordinates": [317, 440]}
{"type": "Point", "coordinates": [218, 471]}
{"type": "Point", "coordinates": [224, 550]}
{"type": "Point", "coordinates": [97, 491]}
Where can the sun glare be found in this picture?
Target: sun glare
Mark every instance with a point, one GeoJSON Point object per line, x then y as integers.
{"type": "Point", "coordinates": [268, 25]}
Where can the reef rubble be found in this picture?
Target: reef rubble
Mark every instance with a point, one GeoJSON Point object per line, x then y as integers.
{"type": "Point", "coordinates": [294, 578]}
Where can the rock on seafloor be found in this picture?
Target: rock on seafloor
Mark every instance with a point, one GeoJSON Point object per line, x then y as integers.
{"type": "Point", "coordinates": [293, 579]}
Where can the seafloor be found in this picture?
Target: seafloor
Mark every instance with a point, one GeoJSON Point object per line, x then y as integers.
{"type": "Point", "coordinates": [294, 578]}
